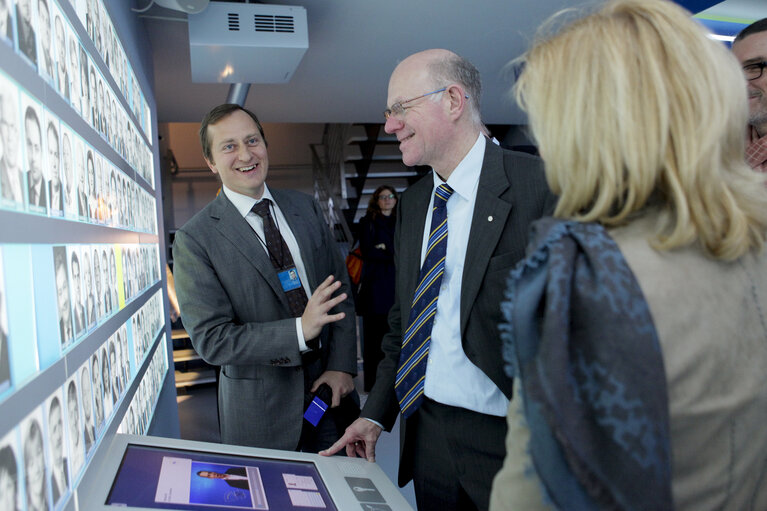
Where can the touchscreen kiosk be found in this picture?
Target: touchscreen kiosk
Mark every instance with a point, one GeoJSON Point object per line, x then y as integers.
{"type": "Point", "coordinates": [160, 473]}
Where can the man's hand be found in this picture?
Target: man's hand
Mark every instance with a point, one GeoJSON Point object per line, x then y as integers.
{"type": "Point", "coordinates": [316, 313]}
{"type": "Point", "coordinates": [360, 440]}
{"type": "Point", "coordinates": [339, 382]}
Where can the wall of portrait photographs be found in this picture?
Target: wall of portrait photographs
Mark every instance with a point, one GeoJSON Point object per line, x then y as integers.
{"type": "Point", "coordinates": [84, 342]}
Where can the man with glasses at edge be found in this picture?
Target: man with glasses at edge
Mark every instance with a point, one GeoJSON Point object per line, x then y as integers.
{"type": "Point", "coordinates": [750, 48]}
{"type": "Point", "coordinates": [453, 417]}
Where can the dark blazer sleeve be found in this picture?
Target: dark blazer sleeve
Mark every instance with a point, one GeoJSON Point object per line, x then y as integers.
{"type": "Point", "coordinates": [341, 335]}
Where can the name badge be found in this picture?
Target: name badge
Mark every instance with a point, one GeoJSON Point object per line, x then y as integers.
{"type": "Point", "coordinates": [289, 279]}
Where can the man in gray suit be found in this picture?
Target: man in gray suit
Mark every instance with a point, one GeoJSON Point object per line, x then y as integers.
{"type": "Point", "coordinates": [452, 444]}
{"type": "Point", "coordinates": [243, 281]}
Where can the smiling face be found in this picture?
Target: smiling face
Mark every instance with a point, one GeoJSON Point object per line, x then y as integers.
{"type": "Point", "coordinates": [238, 154]}
{"type": "Point", "coordinates": [750, 50]}
{"type": "Point", "coordinates": [422, 129]}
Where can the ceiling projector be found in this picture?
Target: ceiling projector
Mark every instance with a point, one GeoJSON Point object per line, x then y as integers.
{"type": "Point", "coordinates": [187, 6]}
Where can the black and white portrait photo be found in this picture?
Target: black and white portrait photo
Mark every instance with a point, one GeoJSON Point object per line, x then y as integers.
{"type": "Point", "coordinates": [6, 21]}
{"type": "Point", "coordinates": [62, 62]}
{"type": "Point", "coordinates": [53, 166]}
{"type": "Point", "coordinates": [96, 262]}
{"type": "Point", "coordinates": [37, 196]}
{"type": "Point", "coordinates": [114, 371]}
{"type": "Point", "coordinates": [90, 169]}
{"type": "Point", "coordinates": [9, 472]}
{"type": "Point", "coordinates": [57, 446]}
{"type": "Point", "coordinates": [82, 184]}
{"type": "Point", "coordinates": [90, 300]}
{"type": "Point", "coordinates": [45, 63]}
{"type": "Point", "coordinates": [106, 381]}
{"type": "Point", "coordinates": [63, 296]}
{"type": "Point", "coordinates": [68, 174]}
{"type": "Point", "coordinates": [86, 399]}
{"type": "Point", "coordinates": [106, 284]}
{"type": "Point", "coordinates": [75, 93]}
{"type": "Point", "coordinates": [35, 477]}
{"type": "Point", "coordinates": [98, 392]}
{"type": "Point", "coordinates": [12, 182]}
{"type": "Point", "coordinates": [78, 290]}
{"type": "Point", "coordinates": [74, 426]}
{"type": "Point", "coordinates": [26, 20]}
{"type": "Point", "coordinates": [5, 362]}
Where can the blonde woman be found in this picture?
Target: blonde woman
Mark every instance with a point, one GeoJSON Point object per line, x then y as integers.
{"type": "Point", "coordinates": [637, 327]}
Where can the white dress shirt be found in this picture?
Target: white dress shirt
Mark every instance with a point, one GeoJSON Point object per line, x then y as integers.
{"type": "Point", "coordinates": [244, 204]}
{"type": "Point", "coordinates": [451, 378]}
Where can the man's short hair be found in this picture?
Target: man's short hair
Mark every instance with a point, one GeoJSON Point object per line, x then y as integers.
{"type": "Point", "coordinates": [8, 463]}
{"type": "Point", "coordinates": [55, 403]}
{"type": "Point", "coordinates": [753, 28]}
{"type": "Point", "coordinates": [215, 116]}
{"type": "Point", "coordinates": [59, 260]}
{"type": "Point", "coordinates": [457, 69]}
{"type": "Point", "coordinates": [31, 115]}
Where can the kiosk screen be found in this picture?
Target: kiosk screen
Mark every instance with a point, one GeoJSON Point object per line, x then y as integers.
{"type": "Point", "coordinates": [167, 478]}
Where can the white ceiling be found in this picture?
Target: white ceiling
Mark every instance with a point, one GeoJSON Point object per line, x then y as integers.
{"type": "Point", "coordinates": [353, 47]}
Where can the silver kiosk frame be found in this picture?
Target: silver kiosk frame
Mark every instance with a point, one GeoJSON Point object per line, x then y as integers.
{"type": "Point", "coordinates": [351, 483]}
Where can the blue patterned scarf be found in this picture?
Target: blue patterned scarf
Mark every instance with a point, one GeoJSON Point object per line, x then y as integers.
{"type": "Point", "coordinates": [580, 337]}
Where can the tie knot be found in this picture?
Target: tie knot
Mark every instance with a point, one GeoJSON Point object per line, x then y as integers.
{"type": "Point", "coordinates": [261, 208]}
{"type": "Point", "coordinates": [442, 194]}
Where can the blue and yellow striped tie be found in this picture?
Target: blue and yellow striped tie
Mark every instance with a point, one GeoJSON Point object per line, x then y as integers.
{"type": "Point", "coordinates": [415, 343]}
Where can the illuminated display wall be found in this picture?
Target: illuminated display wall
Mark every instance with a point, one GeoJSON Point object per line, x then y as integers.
{"type": "Point", "coordinates": [83, 340]}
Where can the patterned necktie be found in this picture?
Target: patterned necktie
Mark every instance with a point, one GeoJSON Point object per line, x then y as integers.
{"type": "Point", "coordinates": [415, 344]}
{"type": "Point", "coordinates": [280, 256]}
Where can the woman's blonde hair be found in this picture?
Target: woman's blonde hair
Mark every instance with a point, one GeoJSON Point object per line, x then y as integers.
{"type": "Point", "coordinates": [634, 101]}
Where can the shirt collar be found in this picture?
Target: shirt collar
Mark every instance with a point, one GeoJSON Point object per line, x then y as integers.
{"type": "Point", "coordinates": [244, 203]}
{"type": "Point", "coordinates": [464, 179]}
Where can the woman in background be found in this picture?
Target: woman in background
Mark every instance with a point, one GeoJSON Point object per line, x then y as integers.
{"type": "Point", "coordinates": [636, 329]}
{"type": "Point", "coordinates": [376, 296]}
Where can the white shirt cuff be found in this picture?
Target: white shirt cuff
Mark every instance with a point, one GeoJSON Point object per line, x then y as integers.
{"type": "Point", "coordinates": [374, 422]}
{"type": "Point", "coordinates": [302, 347]}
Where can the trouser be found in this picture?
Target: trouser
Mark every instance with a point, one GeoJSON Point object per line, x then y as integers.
{"type": "Point", "coordinates": [457, 454]}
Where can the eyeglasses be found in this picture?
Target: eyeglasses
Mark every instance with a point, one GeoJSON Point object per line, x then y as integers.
{"type": "Point", "coordinates": [399, 108]}
{"type": "Point", "coordinates": [389, 196]}
{"type": "Point", "coordinates": [755, 70]}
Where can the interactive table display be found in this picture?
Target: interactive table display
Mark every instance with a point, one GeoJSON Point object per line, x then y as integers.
{"type": "Point", "coordinates": [160, 473]}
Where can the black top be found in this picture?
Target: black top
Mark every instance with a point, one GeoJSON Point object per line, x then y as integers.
{"type": "Point", "coordinates": [376, 294]}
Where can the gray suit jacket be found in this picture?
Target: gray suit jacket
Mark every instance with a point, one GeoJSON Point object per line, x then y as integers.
{"type": "Point", "coordinates": [237, 316]}
{"type": "Point", "coordinates": [512, 192]}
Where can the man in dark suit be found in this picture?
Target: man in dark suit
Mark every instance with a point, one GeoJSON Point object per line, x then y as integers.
{"type": "Point", "coordinates": [240, 292]}
{"type": "Point", "coordinates": [25, 30]}
{"type": "Point", "coordinates": [37, 196]}
{"type": "Point", "coordinates": [452, 440]}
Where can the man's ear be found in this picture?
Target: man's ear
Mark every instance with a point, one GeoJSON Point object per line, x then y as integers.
{"type": "Point", "coordinates": [457, 98]}
{"type": "Point", "coordinates": [211, 165]}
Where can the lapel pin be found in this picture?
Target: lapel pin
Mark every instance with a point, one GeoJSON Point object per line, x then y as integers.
{"type": "Point", "coordinates": [490, 218]}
